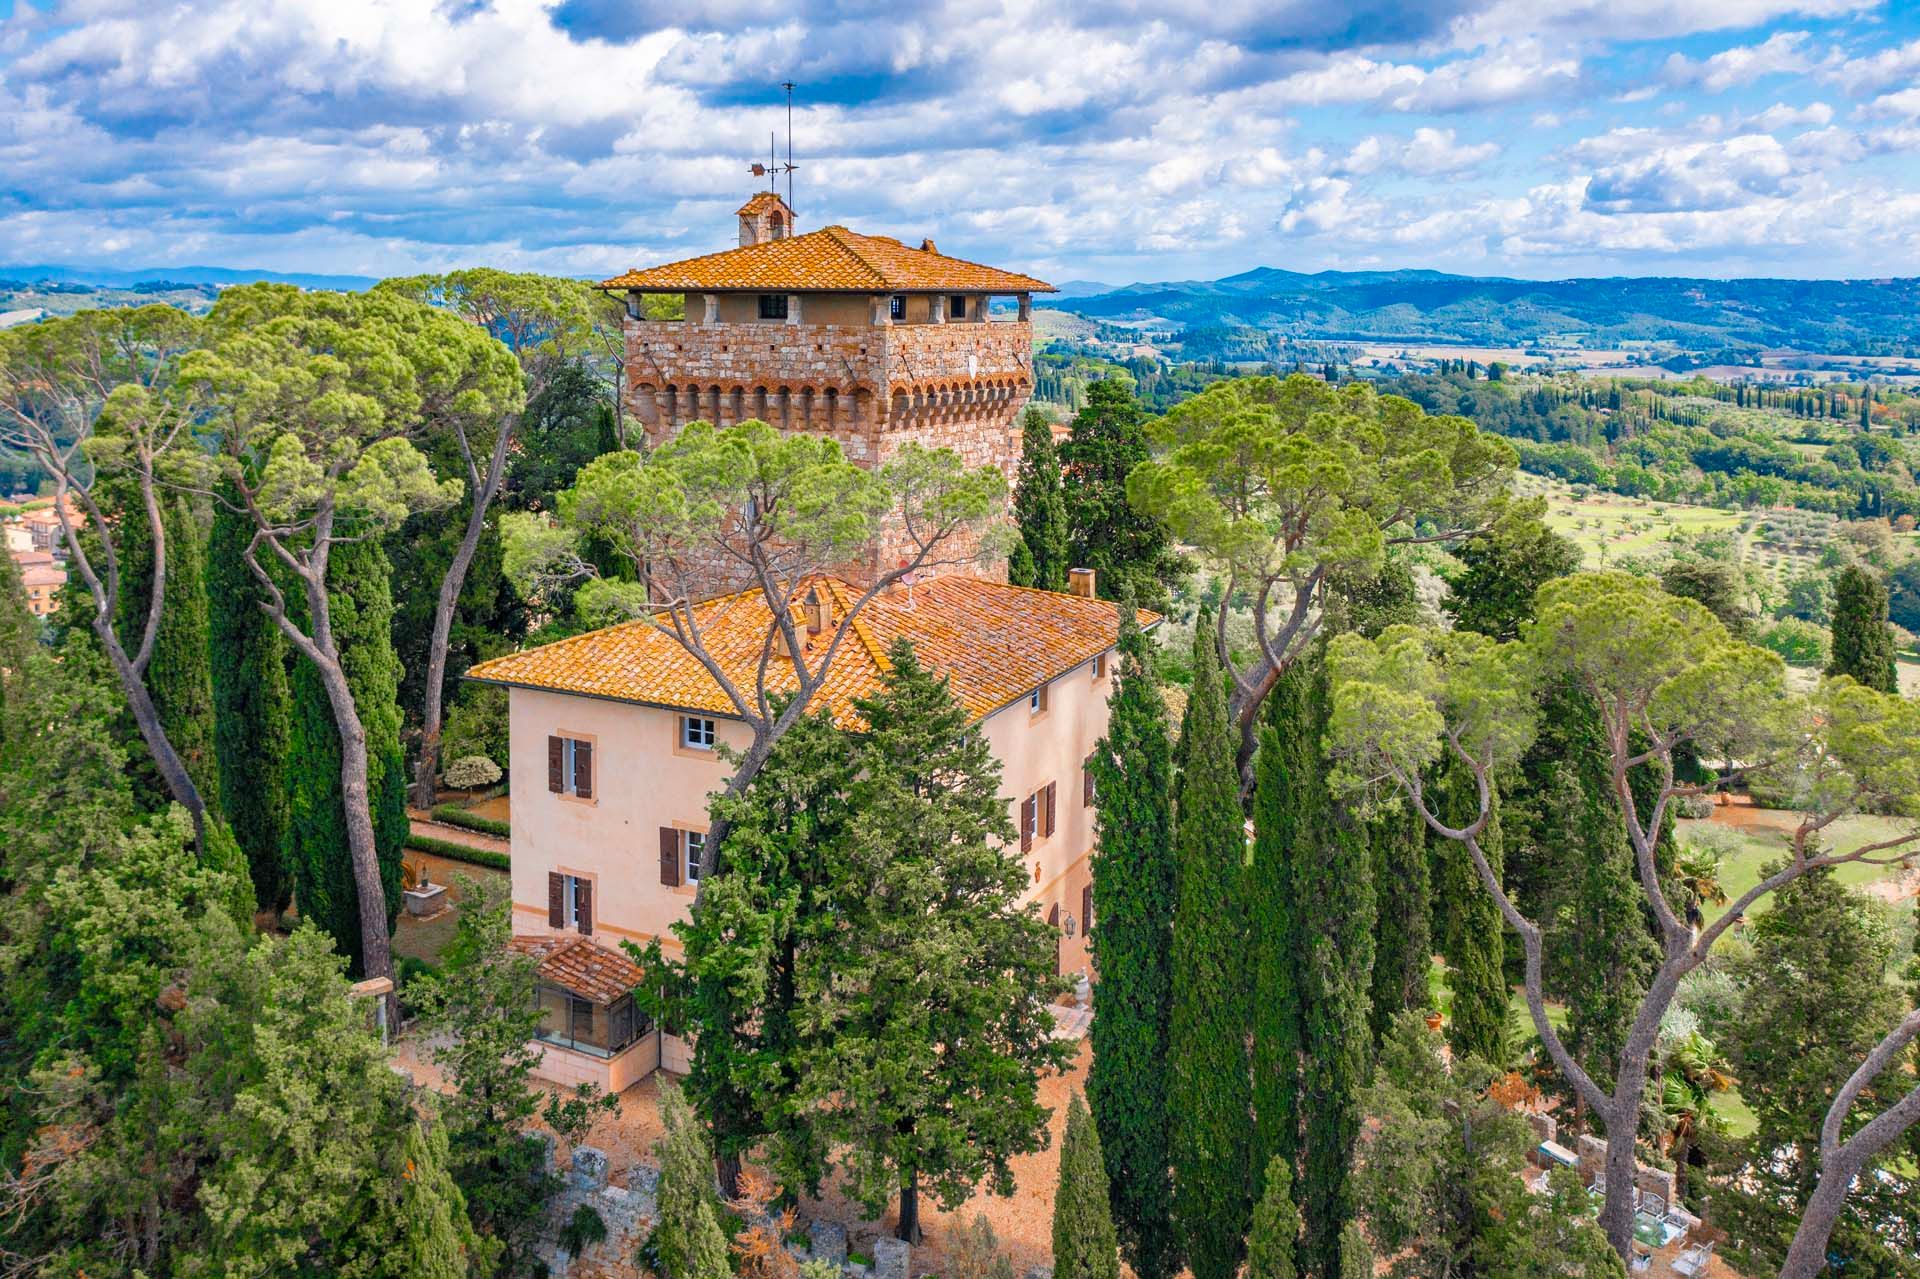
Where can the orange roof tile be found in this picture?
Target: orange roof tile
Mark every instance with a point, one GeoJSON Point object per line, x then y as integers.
{"type": "Point", "coordinates": [832, 259]}
{"type": "Point", "coordinates": [583, 966]}
{"type": "Point", "coordinates": [997, 643]}
{"type": "Point", "coordinates": [761, 200]}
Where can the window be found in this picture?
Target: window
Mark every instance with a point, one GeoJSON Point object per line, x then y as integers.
{"type": "Point", "coordinates": [957, 307]}
{"type": "Point", "coordinates": [696, 733]}
{"type": "Point", "coordinates": [897, 307]}
{"type": "Point", "coordinates": [680, 853]}
{"type": "Point", "coordinates": [1037, 816]}
{"type": "Point", "coordinates": [693, 846]}
{"type": "Point", "coordinates": [569, 902]}
{"type": "Point", "coordinates": [1099, 666]}
{"type": "Point", "coordinates": [570, 766]}
{"type": "Point", "coordinates": [1037, 700]}
{"type": "Point", "coordinates": [773, 306]}
{"type": "Point", "coordinates": [600, 1030]}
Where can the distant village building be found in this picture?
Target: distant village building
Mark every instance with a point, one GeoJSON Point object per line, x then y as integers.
{"type": "Point", "coordinates": [859, 337]}
{"type": "Point", "coordinates": [42, 576]}
{"type": "Point", "coordinates": [616, 735]}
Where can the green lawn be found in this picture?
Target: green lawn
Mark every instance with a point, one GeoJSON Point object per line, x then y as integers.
{"type": "Point", "coordinates": [1750, 849]}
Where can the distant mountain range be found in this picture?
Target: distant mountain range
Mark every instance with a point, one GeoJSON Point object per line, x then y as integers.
{"type": "Point", "coordinates": [106, 278]}
{"type": "Point", "coordinates": [1863, 317]}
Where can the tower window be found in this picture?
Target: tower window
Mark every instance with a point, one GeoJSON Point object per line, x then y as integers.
{"type": "Point", "coordinates": [957, 307]}
{"type": "Point", "coordinates": [897, 306]}
{"type": "Point", "coordinates": [773, 306]}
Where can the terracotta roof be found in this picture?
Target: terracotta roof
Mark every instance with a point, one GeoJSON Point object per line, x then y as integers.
{"type": "Point", "coordinates": [761, 200]}
{"type": "Point", "coordinates": [998, 643]}
{"type": "Point", "coordinates": [581, 965]}
{"type": "Point", "coordinates": [832, 259]}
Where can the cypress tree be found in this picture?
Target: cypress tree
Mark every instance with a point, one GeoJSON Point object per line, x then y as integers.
{"type": "Point", "coordinates": [1862, 643]}
{"type": "Point", "coordinates": [177, 674]}
{"type": "Point", "coordinates": [252, 727]}
{"type": "Point", "coordinates": [361, 601]}
{"type": "Point", "coordinates": [1210, 1097]}
{"type": "Point", "coordinates": [687, 1242]}
{"type": "Point", "coordinates": [1285, 782]}
{"type": "Point", "coordinates": [1404, 947]}
{"type": "Point", "coordinates": [1335, 890]}
{"type": "Point", "coordinates": [1132, 942]}
{"type": "Point", "coordinates": [1356, 1254]}
{"type": "Point", "coordinates": [1472, 936]}
{"type": "Point", "coordinates": [1084, 1243]}
{"type": "Point", "coordinates": [1039, 503]}
{"type": "Point", "coordinates": [1276, 1226]}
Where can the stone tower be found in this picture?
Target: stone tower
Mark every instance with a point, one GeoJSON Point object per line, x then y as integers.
{"type": "Point", "coordinates": [855, 336]}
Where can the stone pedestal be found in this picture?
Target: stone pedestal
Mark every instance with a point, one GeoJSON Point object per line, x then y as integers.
{"type": "Point", "coordinates": [430, 899]}
{"type": "Point", "coordinates": [828, 1242]}
{"type": "Point", "coordinates": [892, 1258]}
{"type": "Point", "coordinates": [589, 1168]}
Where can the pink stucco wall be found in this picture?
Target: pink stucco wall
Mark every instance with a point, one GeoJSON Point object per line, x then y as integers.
{"type": "Point", "coordinates": [644, 780]}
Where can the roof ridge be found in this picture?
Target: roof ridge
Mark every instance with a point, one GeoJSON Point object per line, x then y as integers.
{"type": "Point", "coordinates": [839, 589]}
{"type": "Point", "coordinates": [842, 236]}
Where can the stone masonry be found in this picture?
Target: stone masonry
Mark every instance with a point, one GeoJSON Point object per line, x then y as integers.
{"type": "Point", "coordinates": [956, 385]}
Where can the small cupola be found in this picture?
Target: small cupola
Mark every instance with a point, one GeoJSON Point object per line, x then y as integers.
{"type": "Point", "coordinates": [765, 218]}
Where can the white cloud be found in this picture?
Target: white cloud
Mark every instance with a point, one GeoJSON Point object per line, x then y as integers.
{"type": "Point", "coordinates": [1783, 53]}
{"type": "Point", "coordinates": [1427, 153]}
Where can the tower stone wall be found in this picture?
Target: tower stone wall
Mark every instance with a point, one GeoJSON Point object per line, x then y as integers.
{"type": "Point", "coordinates": [872, 387]}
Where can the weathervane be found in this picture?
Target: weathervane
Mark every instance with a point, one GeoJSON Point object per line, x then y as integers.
{"type": "Point", "coordinates": [771, 170]}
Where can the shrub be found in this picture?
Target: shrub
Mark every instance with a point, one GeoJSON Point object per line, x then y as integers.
{"type": "Point", "coordinates": [454, 815]}
{"type": "Point", "coordinates": [459, 852]}
{"type": "Point", "coordinates": [1800, 643]}
{"type": "Point", "coordinates": [476, 724]}
{"type": "Point", "coordinates": [1695, 806]}
{"type": "Point", "coordinates": [471, 772]}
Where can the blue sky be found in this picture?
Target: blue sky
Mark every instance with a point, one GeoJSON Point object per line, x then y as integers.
{"type": "Point", "coordinates": [1115, 141]}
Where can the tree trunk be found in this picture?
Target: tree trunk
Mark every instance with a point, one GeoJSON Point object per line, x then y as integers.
{"type": "Point", "coordinates": [727, 1168]}
{"type": "Point", "coordinates": [451, 584]}
{"type": "Point", "coordinates": [1616, 1213]}
{"type": "Point", "coordinates": [172, 770]}
{"type": "Point", "coordinates": [909, 1209]}
{"type": "Point", "coordinates": [375, 949]}
{"type": "Point", "coordinates": [1807, 1255]}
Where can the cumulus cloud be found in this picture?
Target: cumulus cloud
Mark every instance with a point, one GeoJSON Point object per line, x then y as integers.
{"type": "Point", "coordinates": [1203, 135]}
{"type": "Point", "coordinates": [1783, 53]}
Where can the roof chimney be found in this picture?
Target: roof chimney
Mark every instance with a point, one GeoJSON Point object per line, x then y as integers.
{"type": "Point", "coordinates": [926, 246]}
{"type": "Point", "coordinates": [818, 616]}
{"type": "Point", "coordinates": [1080, 582]}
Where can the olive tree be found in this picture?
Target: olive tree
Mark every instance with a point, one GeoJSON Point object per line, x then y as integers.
{"type": "Point", "coordinates": [546, 322]}
{"type": "Point", "coordinates": [774, 512]}
{"type": "Point", "coordinates": [1665, 675]}
{"type": "Point", "coordinates": [308, 400]}
{"type": "Point", "coordinates": [1281, 484]}
{"type": "Point", "coordinates": [77, 395]}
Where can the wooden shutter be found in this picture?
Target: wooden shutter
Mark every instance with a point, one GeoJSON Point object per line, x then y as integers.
{"type": "Point", "coordinates": [1053, 916]}
{"type": "Point", "coordinates": [1027, 809]}
{"type": "Point", "coordinates": [670, 857]}
{"type": "Point", "coordinates": [556, 765]}
{"type": "Point", "coordinates": [583, 769]}
{"type": "Point", "coordinates": [556, 898]}
{"type": "Point", "coordinates": [1046, 807]}
{"type": "Point", "coordinates": [1086, 909]}
{"type": "Point", "coordinates": [1086, 781]}
{"type": "Point", "coordinates": [583, 891]}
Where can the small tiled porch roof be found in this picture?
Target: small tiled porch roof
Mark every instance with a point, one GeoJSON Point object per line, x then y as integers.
{"type": "Point", "coordinates": [582, 966]}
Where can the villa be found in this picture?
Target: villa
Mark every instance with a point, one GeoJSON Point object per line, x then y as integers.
{"type": "Point", "coordinates": [616, 735]}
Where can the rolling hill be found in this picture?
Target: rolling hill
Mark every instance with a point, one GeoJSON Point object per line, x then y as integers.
{"type": "Point", "coordinates": [1863, 317]}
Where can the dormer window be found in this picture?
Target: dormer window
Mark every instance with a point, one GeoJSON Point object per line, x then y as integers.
{"type": "Point", "coordinates": [773, 306]}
